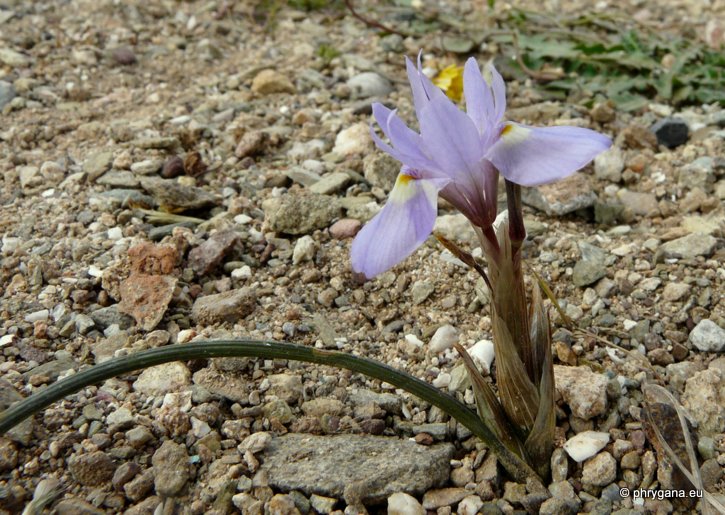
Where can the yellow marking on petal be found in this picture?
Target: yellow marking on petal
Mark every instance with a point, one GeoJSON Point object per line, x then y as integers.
{"type": "Point", "coordinates": [512, 134]}
{"type": "Point", "coordinates": [450, 80]}
{"type": "Point", "coordinates": [404, 188]}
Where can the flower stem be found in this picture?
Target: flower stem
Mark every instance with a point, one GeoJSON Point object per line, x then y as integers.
{"type": "Point", "coordinates": [517, 231]}
{"type": "Point", "coordinates": [517, 467]}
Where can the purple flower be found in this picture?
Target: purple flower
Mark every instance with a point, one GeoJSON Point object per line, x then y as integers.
{"type": "Point", "coordinates": [459, 155]}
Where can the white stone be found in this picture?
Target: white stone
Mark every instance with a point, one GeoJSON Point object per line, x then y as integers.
{"type": "Point", "coordinates": [483, 352]}
{"type": "Point", "coordinates": [443, 380]}
{"type": "Point", "coordinates": [199, 428]}
{"type": "Point", "coordinates": [707, 336]}
{"type": "Point", "coordinates": [115, 233]}
{"type": "Point", "coordinates": [609, 165]}
{"type": "Point", "coordinates": [414, 340]}
{"type": "Point", "coordinates": [162, 379]}
{"type": "Point", "coordinates": [244, 272]}
{"type": "Point", "coordinates": [403, 504]}
{"type": "Point", "coordinates": [6, 340]}
{"type": "Point", "coordinates": [470, 505]}
{"type": "Point", "coordinates": [444, 338]}
{"type": "Point", "coordinates": [305, 250]}
{"type": "Point", "coordinates": [353, 140]}
{"type": "Point", "coordinates": [35, 316]}
{"type": "Point", "coordinates": [10, 243]}
{"type": "Point", "coordinates": [256, 442]}
{"type": "Point", "coordinates": [629, 325]}
{"type": "Point", "coordinates": [585, 445]}
{"type": "Point", "coordinates": [242, 219]}
{"type": "Point", "coordinates": [185, 335]}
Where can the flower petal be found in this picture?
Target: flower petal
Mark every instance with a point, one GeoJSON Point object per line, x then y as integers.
{"type": "Point", "coordinates": [495, 81]}
{"type": "Point", "coordinates": [403, 224]}
{"type": "Point", "coordinates": [479, 99]}
{"type": "Point", "coordinates": [451, 138]}
{"type": "Point", "coordinates": [407, 144]}
{"type": "Point", "coordinates": [423, 89]}
{"type": "Point", "coordinates": [531, 156]}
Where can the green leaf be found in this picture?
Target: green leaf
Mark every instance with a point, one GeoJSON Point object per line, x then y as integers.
{"type": "Point", "coordinates": [629, 101]}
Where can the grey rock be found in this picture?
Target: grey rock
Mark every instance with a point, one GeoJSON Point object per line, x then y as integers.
{"type": "Point", "coordinates": [171, 468]}
{"type": "Point", "coordinates": [707, 336]}
{"type": "Point", "coordinates": [207, 256]}
{"type": "Point", "coordinates": [75, 506]}
{"type": "Point", "coordinates": [52, 369]}
{"type": "Point", "coordinates": [97, 163]}
{"type": "Point", "coordinates": [704, 396]}
{"type": "Point", "coordinates": [601, 470]}
{"type": "Point", "coordinates": [456, 228]}
{"type": "Point", "coordinates": [278, 410]}
{"type": "Point", "coordinates": [7, 93]}
{"type": "Point", "coordinates": [559, 506]}
{"type": "Point", "coordinates": [29, 177]}
{"type": "Point", "coordinates": [380, 466]}
{"type": "Point", "coordinates": [119, 179]}
{"type": "Point", "coordinates": [104, 317]}
{"type": "Point", "coordinates": [638, 203]}
{"type": "Point", "coordinates": [230, 306]}
{"type": "Point", "coordinates": [420, 291]}
{"type": "Point", "coordinates": [587, 272]}
{"type": "Point", "coordinates": [13, 58]}
{"type": "Point", "coordinates": [163, 379]}
{"type": "Point", "coordinates": [438, 498]}
{"type": "Point", "coordinates": [671, 132]}
{"type": "Point", "coordinates": [689, 247]}
{"type": "Point", "coordinates": [698, 174]}
{"type": "Point", "coordinates": [308, 149]}
{"type": "Point", "coordinates": [591, 267]}
{"type": "Point", "coordinates": [331, 183]}
{"type": "Point", "coordinates": [300, 214]}
{"type": "Point", "coordinates": [302, 176]}
{"type": "Point", "coordinates": [583, 390]}
{"type": "Point", "coordinates": [387, 401]}
{"type": "Point", "coordinates": [84, 323]}
{"type": "Point", "coordinates": [232, 386]}
{"type": "Point", "coordinates": [23, 431]}
{"type": "Point", "coordinates": [608, 165]}
{"type": "Point", "coordinates": [123, 198]}
{"type": "Point", "coordinates": [287, 387]}
{"type": "Point", "coordinates": [381, 170]}
{"type": "Point", "coordinates": [403, 504]}
{"type": "Point", "coordinates": [175, 197]}
{"type": "Point", "coordinates": [369, 84]}
{"type": "Point", "coordinates": [562, 197]}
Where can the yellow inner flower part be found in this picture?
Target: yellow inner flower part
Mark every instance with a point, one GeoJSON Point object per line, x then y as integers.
{"type": "Point", "coordinates": [450, 80]}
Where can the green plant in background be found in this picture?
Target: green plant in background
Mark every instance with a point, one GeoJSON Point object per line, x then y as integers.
{"type": "Point", "coordinates": [608, 59]}
{"type": "Point", "coordinates": [327, 53]}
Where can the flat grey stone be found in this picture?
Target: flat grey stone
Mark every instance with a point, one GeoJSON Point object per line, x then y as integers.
{"type": "Point", "coordinates": [375, 466]}
{"type": "Point", "coordinates": [369, 84]}
{"type": "Point", "coordinates": [707, 336]}
{"type": "Point", "coordinates": [7, 93]}
{"type": "Point", "coordinates": [300, 214]}
{"type": "Point", "coordinates": [561, 198]}
{"type": "Point", "coordinates": [331, 183]}
{"type": "Point", "coordinates": [689, 246]}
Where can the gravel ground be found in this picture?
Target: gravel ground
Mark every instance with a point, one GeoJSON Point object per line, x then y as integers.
{"type": "Point", "coordinates": [181, 170]}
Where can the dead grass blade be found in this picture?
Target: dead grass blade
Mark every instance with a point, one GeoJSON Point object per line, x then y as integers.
{"type": "Point", "coordinates": [488, 406]}
{"type": "Point", "coordinates": [692, 473]}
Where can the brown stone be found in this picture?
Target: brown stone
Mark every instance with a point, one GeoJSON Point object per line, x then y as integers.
{"type": "Point", "coordinates": [146, 298]}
